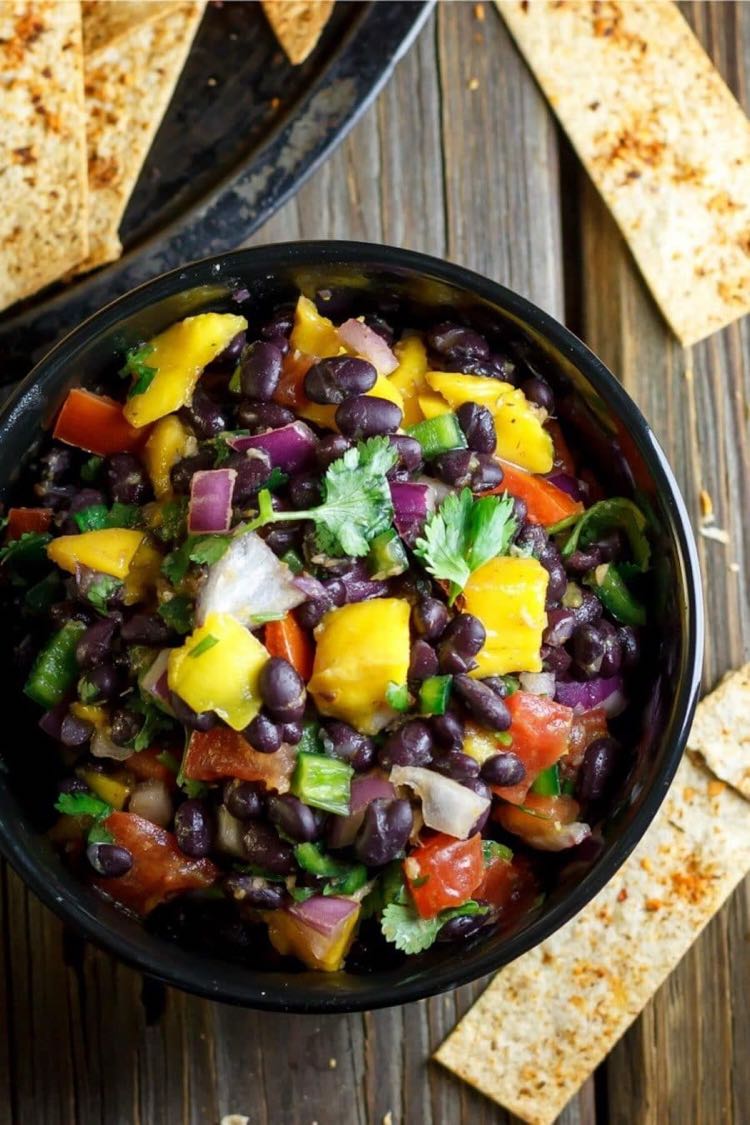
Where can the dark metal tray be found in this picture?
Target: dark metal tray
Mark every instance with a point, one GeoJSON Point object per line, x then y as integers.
{"type": "Point", "coordinates": [243, 131]}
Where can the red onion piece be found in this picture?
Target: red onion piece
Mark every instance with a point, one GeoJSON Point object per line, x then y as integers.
{"type": "Point", "coordinates": [309, 586]}
{"type": "Point", "coordinates": [604, 693]}
{"type": "Point", "coordinates": [290, 448]}
{"type": "Point", "coordinates": [569, 484]}
{"type": "Point", "coordinates": [359, 586]}
{"type": "Point", "coordinates": [410, 507]}
{"type": "Point", "coordinates": [154, 681]}
{"type": "Point", "coordinates": [343, 829]}
{"type": "Point", "coordinates": [368, 344]}
{"type": "Point", "coordinates": [323, 913]}
{"type": "Point", "coordinates": [210, 508]}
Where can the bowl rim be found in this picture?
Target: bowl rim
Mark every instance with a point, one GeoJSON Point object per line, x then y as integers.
{"type": "Point", "coordinates": [211, 977]}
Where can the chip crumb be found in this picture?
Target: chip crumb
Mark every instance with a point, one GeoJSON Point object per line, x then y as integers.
{"type": "Point", "coordinates": [388, 1119]}
{"type": "Point", "coordinates": [473, 84]}
{"type": "Point", "coordinates": [688, 794]}
{"type": "Point", "coordinates": [479, 12]}
{"type": "Point", "coordinates": [332, 1064]}
{"type": "Point", "coordinates": [707, 504]}
{"type": "Point", "coordinates": [715, 788]}
{"type": "Point", "coordinates": [653, 904]}
{"type": "Point", "coordinates": [647, 865]}
{"type": "Point", "coordinates": [623, 894]}
{"type": "Point", "coordinates": [718, 534]}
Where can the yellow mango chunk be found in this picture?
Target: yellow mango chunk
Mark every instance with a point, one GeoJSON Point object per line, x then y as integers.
{"type": "Point", "coordinates": [361, 648]}
{"type": "Point", "coordinates": [457, 389]}
{"type": "Point", "coordinates": [110, 550]}
{"type": "Point", "coordinates": [143, 575]}
{"type": "Point", "coordinates": [507, 595]}
{"type": "Point", "coordinates": [479, 743]}
{"type": "Point", "coordinates": [409, 377]}
{"type": "Point", "coordinates": [178, 357]}
{"type": "Point", "coordinates": [166, 446]}
{"type": "Point", "coordinates": [290, 936]}
{"type": "Point", "coordinates": [90, 713]}
{"type": "Point", "coordinates": [217, 669]}
{"type": "Point", "coordinates": [312, 333]}
{"type": "Point", "coordinates": [110, 789]}
{"type": "Point", "coordinates": [431, 406]}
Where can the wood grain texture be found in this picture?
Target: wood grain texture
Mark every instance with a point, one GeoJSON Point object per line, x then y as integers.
{"type": "Point", "coordinates": [471, 174]}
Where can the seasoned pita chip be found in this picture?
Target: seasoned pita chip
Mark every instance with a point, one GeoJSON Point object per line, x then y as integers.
{"type": "Point", "coordinates": [106, 21]}
{"type": "Point", "coordinates": [721, 731]}
{"type": "Point", "coordinates": [664, 141]}
{"type": "Point", "coordinates": [587, 983]}
{"type": "Point", "coordinates": [298, 24]}
{"type": "Point", "coordinates": [128, 87]}
{"type": "Point", "coordinates": [43, 183]}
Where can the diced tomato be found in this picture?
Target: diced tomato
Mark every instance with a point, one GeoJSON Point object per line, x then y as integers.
{"type": "Point", "coordinates": [147, 767]}
{"type": "Point", "coordinates": [222, 752]}
{"type": "Point", "coordinates": [444, 872]}
{"type": "Point", "coordinates": [97, 424]}
{"type": "Point", "coordinates": [540, 729]}
{"type": "Point", "coordinates": [550, 824]}
{"type": "Point", "coordinates": [563, 457]}
{"type": "Point", "coordinates": [159, 869]}
{"type": "Point", "coordinates": [508, 885]}
{"type": "Point", "coordinates": [290, 391]}
{"type": "Point", "coordinates": [586, 728]}
{"type": "Point", "coordinates": [545, 503]}
{"type": "Point", "coordinates": [291, 642]}
{"type": "Point", "coordinates": [21, 520]}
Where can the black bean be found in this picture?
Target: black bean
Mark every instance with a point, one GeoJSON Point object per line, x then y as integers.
{"type": "Point", "coordinates": [478, 426]}
{"type": "Point", "coordinates": [330, 449]}
{"type": "Point", "coordinates": [193, 827]}
{"type": "Point", "coordinates": [532, 537]}
{"type": "Point", "coordinates": [127, 479]}
{"type": "Point", "coordinates": [95, 644]}
{"type": "Point", "coordinates": [459, 644]}
{"type": "Point", "coordinates": [423, 662]}
{"type": "Point", "coordinates": [181, 474]}
{"type": "Point", "coordinates": [125, 725]}
{"type": "Point", "coordinates": [294, 818]}
{"type": "Point", "coordinates": [259, 416]}
{"type": "Point", "coordinates": [557, 660]}
{"type": "Point", "coordinates": [520, 510]}
{"type": "Point", "coordinates": [463, 927]}
{"type": "Point", "coordinates": [367, 416]}
{"type": "Point", "coordinates": [231, 353]}
{"type": "Point", "coordinates": [72, 785]}
{"type": "Point", "coordinates": [245, 800]}
{"type": "Point", "coordinates": [260, 370]}
{"type": "Point", "coordinates": [580, 562]}
{"type": "Point", "coordinates": [382, 327]}
{"type": "Point", "coordinates": [263, 734]}
{"type": "Point", "coordinates": [612, 657]}
{"type": "Point", "coordinates": [597, 769]}
{"type": "Point", "coordinates": [503, 769]}
{"type": "Point", "coordinates": [146, 629]}
{"type": "Point", "coordinates": [265, 849]}
{"type": "Point", "coordinates": [305, 490]}
{"type": "Point", "coordinates": [429, 618]}
{"type": "Point", "coordinates": [539, 392]}
{"type": "Point", "coordinates": [253, 469]}
{"type": "Point", "coordinates": [74, 731]}
{"type": "Point", "coordinates": [312, 612]}
{"type": "Point", "coordinates": [493, 367]}
{"type": "Point", "coordinates": [588, 650]}
{"type": "Point", "coordinates": [56, 463]}
{"type": "Point", "coordinates": [335, 303]}
{"type": "Point", "coordinates": [194, 720]}
{"type": "Point", "coordinates": [409, 452]}
{"type": "Point", "coordinates": [205, 415]}
{"type": "Point", "coordinates": [280, 324]}
{"type": "Point", "coordinates": [109, 860]}
{"type": "Point", "coordinates": [589, 609]}
{"type": "Point", "coordinates": [487, 474]}
{"type": "Point", "coordinates": [410, 745]}
{"type": "Point", "coordinates": [348, 744]}
{"type": "Point", "coordinates": [456, 468]}
{"type": "Point", "coordinates": [483, 703]}
{"type": "Point", "coordinates": [455, 341]}
{"type": "Point", "coordinates": [630, 646]}
{"type": "Point", "coordinates": [333, 381]}
{"type": "Point", "coordinates": [557, 582]}
{"type": "Point", "coordinates": [384, 832]}
{"type": "Point", "coordinates": [448, 729]}
{"type": "Point", "coordinates": [282, 538]}
{"type": "Point", "coordinates": [457, 765]}
{"type": "Point", "coordinates": [291, 733]}
{"type": "Point", "coordinates": [496, 684]}
{"type": "Point", "coordinates": [251, 890]}
{"type": "Point", "coordinates": [560, 626]}
{"type": "Point", "coordinates": [105, 682]}
{"type": "Point", "coordinates": [282, 690]}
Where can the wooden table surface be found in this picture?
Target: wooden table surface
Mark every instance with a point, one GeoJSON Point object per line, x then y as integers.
{"type": "Point", "coordinates": [459, 157]}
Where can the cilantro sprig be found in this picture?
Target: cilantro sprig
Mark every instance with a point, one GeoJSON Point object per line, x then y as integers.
{"type": "Point", "coordinates": [464, 534]}
{"type": "Point", "coordinates": [403, 927]}
{"type": "Point", "coordinates": [356, 505]}
{"type": "Point", "coordinates": [86, 804]}
{"type": "Point", "coordinates": [135, 365]}
{"type": "Point", "coordinates": [198, 549]}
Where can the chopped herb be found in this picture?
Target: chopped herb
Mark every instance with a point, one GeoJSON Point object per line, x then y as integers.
{"type": "Point", "coordinates": [301, 894]}
{"type": "Point", "coordinates": [201, 549]}
{"type": "Point", "coordinates": [87, 692]}
{"type": "Point", "coordinates": [293, 561]}
{"type": "Point", "coordinates": [402, 926]}
{"type": "Point", "coordinates": [173, 517]}
{"type": "Point", "coordinates": [98, 516]}
{"type": "Point", "coordinates": [136, 367]}
{"type": "Point", "coordinates": [28, 548]}
{"type": "Point", "coordinates": [464, 534]}
{"type": "Point", "coordinates": [90, 469]}
{"type": "Point", "coordinates": [504, 738]}
{"type": "Point", "coordinates": [264, 618]}
{"type": "Point", "coordinates": [420, 882]}
{"type": "Point", "coordinates": [101, 590]}
{"type": "Point", "coordinates": [167, 758]}
{"type": "Point", "coordinates": [356, 505]}
{"type": "Point", "coordinates": [207, 643]}
{"type": "Point", "coordinates": [314, 740]}
{"type": "Point", "coordinates": [178, 614]}
{"type": "Point", "coordinates": [491, 851]}
{"type": "Point", "coordinates": [154, 722]}
{"type": "Point", "coordinates": [277, 479]}
{"type": "Point", "coordinates": [397, 696]}
{"type": "Point", "coordinates": [86, 804]}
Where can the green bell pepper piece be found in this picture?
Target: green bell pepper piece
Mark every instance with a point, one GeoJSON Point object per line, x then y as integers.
{"type": "Point", "coordinates": [547, 783]}
{"type": "Point", "coordinates": [601, 518]}
{"type": "Point", "coordinates": [434, 695]}
{"type": "Point", "coordinates": [438, 435]}
{"type": "Point", "coordinates": [55, 669]}
{"type": "Point", "coordinates": [324, 783]}
{"type": "Point", "coordinates": [609, 586]}
{"type": "Point", "coordinates": [387, 556]}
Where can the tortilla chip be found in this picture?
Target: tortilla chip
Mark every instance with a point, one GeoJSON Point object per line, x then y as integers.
{"type": "Point", "coordinates": [128, 87]}
{"type": "Point", "coordinates": [106, 21]}
{"type": "Point", "coordinates": [297, 24]}
{"type": "Point", "coordinates": [721, 731]}
{"type": "Point", "coordinates": [664, 141]}
{"type": "Point", "coordinates": [587, 983]}
{"type": "Point", "coordinates": [43, 183]}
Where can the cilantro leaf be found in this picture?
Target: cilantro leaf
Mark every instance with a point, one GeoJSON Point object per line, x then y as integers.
{"type": "Point", "coordinates": [356, 505]}
{"type": "Point", "coordinates": [90, 469]}
{"type": "Point", "coordinates": [402, 926]}
{"type": "Point", "coordinates": [99, 516]}
{"type": "Point", "coordinates": [178, 614]}
{"type": "Point", "coordinates": [301, 894]}
{"type": "Point", "coordinates": [101, 590]}
{"type": "Point", "coordinates": [155, 722]}
{"type": "Point", "coordinates": [200, 549]}
{"type": "Point", "coordinates": [491, 851]}
{"type": "Point", "coordinates": [276, 480]}
{"type": "Point", "coordinates": [86, 804]}
{"type": "Point", "coordinates": [464, 534]}
{"type": "Point", "coordinates": [135, 365]}
{"type": "Point", "coordinates": [98, 834]}
{"type": "Point", "coordinates": [29, 547]}
{"type": "Point", "coordinates": [173, 517]}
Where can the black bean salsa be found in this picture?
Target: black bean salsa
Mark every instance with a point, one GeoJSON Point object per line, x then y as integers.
{"type": "Point", "coordinates": [329, 626]}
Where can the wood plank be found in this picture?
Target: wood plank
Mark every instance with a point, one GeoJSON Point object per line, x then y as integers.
{"type": "Point", "coordinates": [684, 1059]}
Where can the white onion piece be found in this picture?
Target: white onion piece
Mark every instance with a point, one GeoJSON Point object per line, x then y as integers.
{"type": "Point", "coordinates": [368, 344]}
{"type": "Point", "coordinates": [538, 683]}
{"type": "Point", "coordinates": [229, 832]}
{"type": "Point", "coordinates": [151, 800]}
{"type": "Point", "coordinates": [103, 747]}
{"type": "Point", "coordinates": [436, 491]}
{"type": "Point", "coordinates": [249, 583]}
{"type": "Point", "coordinates": [567, 836]}
{"type": "Point", "coordinates": [447, 806]}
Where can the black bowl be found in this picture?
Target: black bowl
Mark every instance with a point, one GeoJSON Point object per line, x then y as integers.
{"type": "Point", "coordinates": [619, 445]}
